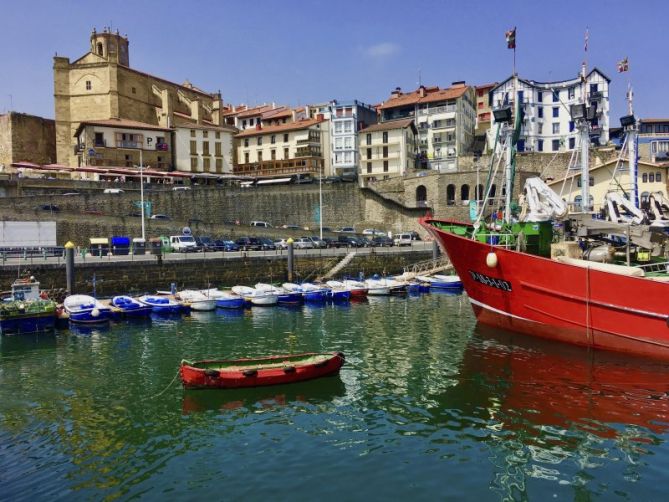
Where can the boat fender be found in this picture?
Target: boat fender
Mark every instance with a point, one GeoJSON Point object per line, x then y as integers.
{"type": "Point", "coordinates": [250, 373]}
{"type": "Point", "coordinates": [289, 369]}
{"type": "Point", "coordinates": [491, 259]}
{"type": "Point", "coordinates": [212, 373]}
{"type": "Point", "coordinates": [95, 312]}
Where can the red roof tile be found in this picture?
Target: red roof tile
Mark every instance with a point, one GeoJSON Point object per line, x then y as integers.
{"type": "Point", "coordinates": [431, 94]}
{"type": "Point", "coordinates": [388, 125]}
{"type": "Point", "coordinates": [290, 126]}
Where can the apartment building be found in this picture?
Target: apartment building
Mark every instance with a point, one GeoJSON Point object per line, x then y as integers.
{"type": "Point", "coordinates": [204, 148]}
{"type": "Point", "coordinates": [300, 147]}
{"type": "Point", "coordinates": [387, 149]}
{"type": "Point", "coordinates": [653, 139]}
{"type": "Point", "coordinates": [347, 118]}
{"type": "Point", "coordinates": [483, 108]}
{"type": "Point", "coordinates": [548, 126]}
{"type": "Point", "coordinates": [445, 120]}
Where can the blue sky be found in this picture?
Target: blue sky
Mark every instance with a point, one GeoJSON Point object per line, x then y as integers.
{"type": "Point", "coordinates": [295, 52]}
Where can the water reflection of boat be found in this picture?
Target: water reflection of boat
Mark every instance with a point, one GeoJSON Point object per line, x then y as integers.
{"type": "Point", "coordinates": [312, 392]}
{"type": "Point", "coordinates": [543, 383]}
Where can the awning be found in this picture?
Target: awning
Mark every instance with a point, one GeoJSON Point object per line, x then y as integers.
{"type": "Point", "coordinates": [274, 181]}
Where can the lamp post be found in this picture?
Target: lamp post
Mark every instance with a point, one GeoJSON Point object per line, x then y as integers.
{"type": "Point", "coordinates": [320, 203]}
{"type": "Point", "coordinates": [141, 191]}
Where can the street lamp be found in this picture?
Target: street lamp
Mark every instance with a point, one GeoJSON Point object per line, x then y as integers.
{"type": "Point", "coordinates": [141, 191]}
{"type": "Point", "coordinates": [320, 202]}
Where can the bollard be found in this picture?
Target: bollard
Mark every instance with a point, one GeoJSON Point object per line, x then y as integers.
{"type": "Point", "coordinates": [291, 261]}
{"type": "Point", "coordinates": [69, 267]}
{"type": "Point", "coordinates": [435, 250]}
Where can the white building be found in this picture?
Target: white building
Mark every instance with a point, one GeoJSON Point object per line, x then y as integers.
{"type": "Point", "coordinates": [548, 126]}
{"type": "Point", "coordinates": [203, 148]}
{"type": "Point", "coordinates": [347, 118]}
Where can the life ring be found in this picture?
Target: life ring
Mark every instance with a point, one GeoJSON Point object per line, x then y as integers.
{"type": "Point", "coordinates": [250, 373]}
{"type": "Point", "coordinates": [212, 373]}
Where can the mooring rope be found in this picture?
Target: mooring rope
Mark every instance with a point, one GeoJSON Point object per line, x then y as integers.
{"type": "Point", "coordinates": [168, 386]}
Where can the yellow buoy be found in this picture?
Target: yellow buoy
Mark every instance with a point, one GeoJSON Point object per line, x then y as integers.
{"type": "Point", "coordinates": [491, 259]}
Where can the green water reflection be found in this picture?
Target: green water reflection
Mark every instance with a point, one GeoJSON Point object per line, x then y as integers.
{"type": "Point", "coordinates": [427, 406]}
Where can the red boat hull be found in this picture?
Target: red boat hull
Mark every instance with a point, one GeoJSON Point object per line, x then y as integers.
{"type": "Point", "coordinates": [283, 371]}
{"type": "Point", "coordinates": [557, 301]}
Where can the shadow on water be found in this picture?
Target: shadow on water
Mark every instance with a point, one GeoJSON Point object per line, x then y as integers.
{"type": "Point", "coordinates": [312, 392]}
{"type": "Point", "coordinates": [89, 329]}
{"type": "Point", "coordinates": [25, 342]}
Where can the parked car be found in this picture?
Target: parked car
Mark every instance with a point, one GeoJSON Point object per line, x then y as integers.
{"type": "Point", "coordinates": [180, 188]}
{"type": "Point", "coordinates": [303, 243]}
{"type": "Point", "coordinates": [160, 217]}
{"type": "Point", "coordinates": [318, 243]}
{"type": "Point", "coordinates": [382, 241]}
{"type": "Point", "coordinates": [248, 244]}
{"type": "Point", "coordinates": [112, 190]}
{"type": "Point", "coordinates": [266, 244]}
{"type": "Point", "coordinates": [348, 241]}
{"type": "Point", "coordinates": [281, 244]}
{"type": "Point", "coordinates": [48, 207]}
{"type": "Point", "coordinates": [228, 245]}
{"type": "Point", "coordinates": [373, 232]}
{"type": "Point", "coordinates": [262, 224]}
{"type": "Point", "coordinates": [288, 226]}
{"type": "Point", "coordinates": [345, 230]}
{"type": "Point", "coordinates": [208, 244]}
{"type": "Point", "coordinates": [403, 239]}
{"type": "Point", "coordinates": [330, 242]}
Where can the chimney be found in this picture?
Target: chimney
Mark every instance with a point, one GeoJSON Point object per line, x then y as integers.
{"type": "Point", "coordinates": [458, 83]}
{"type": "Point", "coordinates": [421, 91]}
{"type": "Point", "coordinates": [396, 93]}
{"type": "Point", "coordinates": [307, 111]}
{"type": "Point", "coordinates": [294, 115]}
{"type": "Point", "coordinates": [273, 105]}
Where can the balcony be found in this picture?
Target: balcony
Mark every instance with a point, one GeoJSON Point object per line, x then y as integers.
{"type": "Point", "coordinates": [162, 147]}
{"type": "Point", "coordinates": [280, 167]}
{"type": "Point", "coordinates": [129, 144]}
{"type": "Point", "coordinates": [307, 151]}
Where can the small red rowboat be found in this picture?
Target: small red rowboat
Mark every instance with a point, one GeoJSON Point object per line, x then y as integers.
{"type": "Point", "coordinates": [273, 370]}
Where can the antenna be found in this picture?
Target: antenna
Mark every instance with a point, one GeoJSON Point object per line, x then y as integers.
{"type": "Point", "coordinates": [420, 82]}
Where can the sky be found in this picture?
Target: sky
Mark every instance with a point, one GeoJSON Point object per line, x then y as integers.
{"type": "Point", "coordinates": [301, 52]}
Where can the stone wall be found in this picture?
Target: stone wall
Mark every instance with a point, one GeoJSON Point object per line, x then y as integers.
{"type": "Point", "coordinates": [26, 138]}
{"type": "Point", "coordinates": [116, 278]}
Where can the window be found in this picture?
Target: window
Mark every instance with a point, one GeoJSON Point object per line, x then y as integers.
{"type": "Point", "coordinates": [556, 111]}
{"type": "Point", "coordinates": [339, 143]}
{"type": "Point", "coordinates": [192, 133]}
{"type": "Point", "coordinates": [88, 85]}
{"type": "Point", "coordinates": [540, 96]}
{"type": "Point", "coordinates": [571, 125]}
{"type": "Point", "coordinates": [99, 139]}
{"type": "Point", "coordinates": [464, 192]}
{"type": "Point", "coordinates": [206, 163]}
{"type": "Point", "coordinates": [348, 142]}
{"type": "Point", "coordinates": [556, 128]}
{"type": "Point", "coordinates": [521, 95]}
{"type": "Point", "coordinates": [246, 141]}
{"type": "Point", "coordinates": [134, 90]}
{"type": "Point", "coordinates": [205, 148]}
{"type": "Point", "coordinates": [348, 126]}
{"type": "Point", "coordinates": [540, 112]}
{"type": "Point", "coordinates": [540, 145]}
{"type": "Point", "coordinates": [658, 177]}
{"type": "Point", "coordinates": [540, 128]}
{"type": "Point", "coordinates": [450, 195]}
{"type": "Point", "coordinates": [259, 155]}
{"type": "Point", "coordinates": [193, 163]}
{"type": "Point", "coordinates": [644, 177]}
{"type": "Point", "coordinates": [385, 152]}
{"type": "Point", "coordinates": [572, 143]}
{"type": "Point", "coordinates": [246, 158]}
{"type": "Point", "coordinates": [369, 154]}
{"type": "Point", "coordinates": [338, 127]}
{"type": "Point", "coordinates": [193, 147]}
{"type": "Point", "coordinates": [480, 104]}
{"type": "Point", "coordinates": [219, 165]}
{"type": "Point", "coordinates": [250, 122]}
{"type": "Point", "coordinates": [286, 152]}
{"type": "Point", "coordinates": [385, 136]}
{"type": "Point", "coordinates": [369, 138]}
{"type": "Point", "coordinates": [593, 88]}
{"type": "Point", "coordinates": [556, 145]}
{"type": "Point", "coordinates": [369, 167]}
{"type": "Point", "coordinates": [571, 93]}
{"type": "Point", "coordinates": [651, 178]}
{"type": "Point", "coordinates": [259, 140]}
{"type": "Point", "coordinates": [273, 153]}
{"type": "Point", "coordinates": [99, 47]}
{"type": "Point", "coordinates": [273, 139]}
{"type": "Point", "coordinates": [385, 166]}
{"type": "Point", "coordinates": [218, 134]}
{"type": "Point", "coordinates": [205, 134]}
{"type": "Point", "coordinates": [217, 148]}
{"type": "Point", "coordinates": [244, 123]}
{"type": "Point", "coordinates": [556, 96]}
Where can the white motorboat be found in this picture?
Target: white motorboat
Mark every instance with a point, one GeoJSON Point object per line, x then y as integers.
{"type": "Point", "coordinates": [86, 309]}
{"type": "Point", "coordinates": [197, 300]}
{"type": "Point", "coordinates": [259, 298]}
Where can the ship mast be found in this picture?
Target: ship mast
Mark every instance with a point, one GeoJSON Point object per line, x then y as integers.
{"type": "Point", "coordinates": [584, 130]}
{"type": "Point", "coordinates": [508, 171]}
{"type": "Point", "coordinates": [632, 146]}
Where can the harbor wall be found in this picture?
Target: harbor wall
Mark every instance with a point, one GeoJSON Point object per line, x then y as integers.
{"type": "Point", "coordinates": [140, 277]}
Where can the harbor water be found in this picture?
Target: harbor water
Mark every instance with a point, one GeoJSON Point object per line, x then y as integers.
{"type": "Point", "coordinates": [428, 406]}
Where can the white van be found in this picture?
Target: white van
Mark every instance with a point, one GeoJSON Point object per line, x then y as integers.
{"type": "Point", "coordinates": [403, 239]}
{"type": "Point", "coordinates": [180, 188]}
{"type": "Point", "coordinates": [112, 190]}
{"type": "Point", "coordinates": [263, 224]}
{"type": "Point", "coordinates": [183, 243]}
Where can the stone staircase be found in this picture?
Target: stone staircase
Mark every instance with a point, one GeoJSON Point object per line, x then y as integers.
{"type": "Point", "coordinates": [339, 266]}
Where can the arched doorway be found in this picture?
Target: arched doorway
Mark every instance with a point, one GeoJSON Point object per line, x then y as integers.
{"type": "Point", "coordinates": [464, 193]}
{"type": "Point", "coordinates": [421, 196]}
{"type": "Point", "coordinates": [450, 195]}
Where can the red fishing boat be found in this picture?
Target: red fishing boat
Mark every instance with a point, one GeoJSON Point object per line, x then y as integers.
{"type": "Point", "coordinates": [578, 302]}
{"type": "Point", "coordinates": [272, 370]}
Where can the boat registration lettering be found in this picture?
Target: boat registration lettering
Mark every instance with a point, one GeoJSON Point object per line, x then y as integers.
{"type": "Point", "coordinates": [491, 281]}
